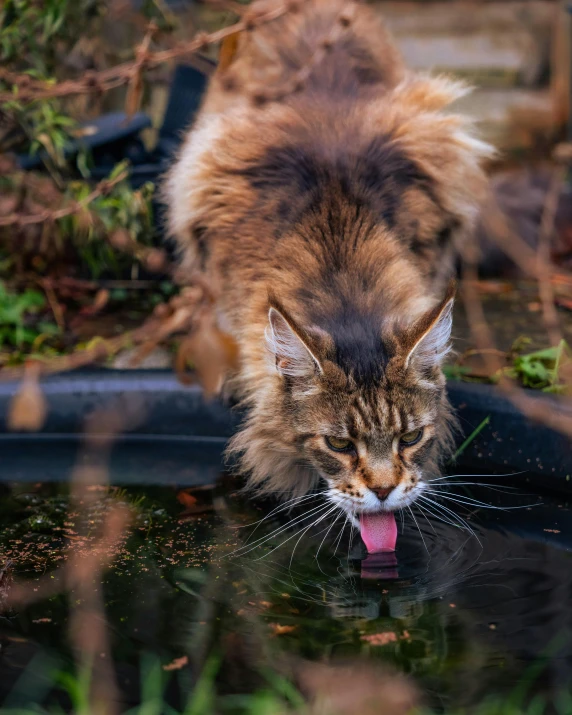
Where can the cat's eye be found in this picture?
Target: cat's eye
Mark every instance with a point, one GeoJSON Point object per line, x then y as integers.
{"type": "Point", "coordinates": [339, 445]}
{"type": "Point", "coordinates": [410, 438]}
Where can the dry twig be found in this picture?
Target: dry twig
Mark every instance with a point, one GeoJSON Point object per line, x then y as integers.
{"type": "Point", "coordinates": [75, 207]}
{"type": "Point", "coordinates": [544, 268]}
{"type": "Point", "coordinates": [27, 89]}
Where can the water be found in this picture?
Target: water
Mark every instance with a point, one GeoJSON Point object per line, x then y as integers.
{"type": "Point", "coordinates": [467, 615]}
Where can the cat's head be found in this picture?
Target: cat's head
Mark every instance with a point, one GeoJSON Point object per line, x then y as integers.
{"type": "Point", "coordinates": [369, 415]}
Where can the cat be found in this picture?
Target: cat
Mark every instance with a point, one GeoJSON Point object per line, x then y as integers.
{"type": "Point", "coordinates": [323, 192]}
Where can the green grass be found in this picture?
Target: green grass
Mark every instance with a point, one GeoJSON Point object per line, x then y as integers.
{"type": "Point", "coordinates": [544, 370]}
{"type": "Point", "coordinates": [278, 697]}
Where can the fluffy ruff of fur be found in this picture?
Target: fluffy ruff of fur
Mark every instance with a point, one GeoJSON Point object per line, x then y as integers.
{"type": "Point", "coordinates": [339, 208]}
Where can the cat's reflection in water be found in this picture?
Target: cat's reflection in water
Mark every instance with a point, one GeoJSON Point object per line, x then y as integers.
{"type": "Point", "coordinates": [478, 608]}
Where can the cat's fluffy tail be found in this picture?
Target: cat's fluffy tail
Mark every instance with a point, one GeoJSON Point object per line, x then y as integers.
{"type": "Point", "coordinates": [323, 45]}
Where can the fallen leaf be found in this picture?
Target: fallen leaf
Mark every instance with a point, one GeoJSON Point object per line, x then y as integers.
{"type": "Point", "coordinates": [195, 510]}
{"type": "Point", "coordinates": [552, 531]}
{"type": "Point", "coordinates": [212, 354]}
{"type": "Point", "coordinates": [563, 302]}
{"type": "Point", "coordinates": [134, 93]}
{"type": "Point", "coordinates": [380, 638]}
{"type": "Point", "coordinates": [99, 302]}
{"type": "Point", "coordinates": [156, 260]}
{"type": "Point", "coordinates": [121, 239]}
{"type": "Point", "coordinates": [177, 663]}
{"type": "Point", "coordinates": [228, 50]}
{"type": "Point", "coordinates": [186, 499]}
{"type": "Point", "coordinates": [491, 287]}
{"type": "Point", "coordinates": [42, 620]}
{"type": "Point", "coordinates": [88, 131]}
{"type": "Point", "coordinates": [280, 630]}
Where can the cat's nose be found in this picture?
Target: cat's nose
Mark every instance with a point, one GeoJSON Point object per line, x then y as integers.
{"type": "Point", "coordinates": [383, 493]}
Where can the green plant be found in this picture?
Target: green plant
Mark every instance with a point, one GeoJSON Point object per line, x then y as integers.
{"type": "Point", "coordinates": [32, 31]}
{"type": "Point", "coordinates": [16, 309]}
{"type": "Point", "coordinates": [474, 434]}
{"type": "Point", "coordinates": [542, 369]}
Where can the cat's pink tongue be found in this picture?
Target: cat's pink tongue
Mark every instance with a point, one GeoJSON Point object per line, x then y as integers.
{"type": "Point", "coordinates": [379, 531]}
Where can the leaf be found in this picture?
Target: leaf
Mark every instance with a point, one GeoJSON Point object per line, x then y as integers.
{"type": "Point", "coordinates": [99, 302]}
{"type": "Point", "coordinates": [134, 93]}
{"type": "Point", "coordinates": [118, 169]}
{"type": "Point", "coordinates": [455, 372]}
{"type": "Point", "coordinates": [187, 500]}
{"type": "Point", "coordinates": [119, 294]}
{"type": "Point", "coordinates": [49, 329]}
{"type": "Point", "coordinates": [30, 300]}
{"type": "Point", "coordinates": [28, 409]}
{"type": "Point", "coordinates": [228, 50]}
{"type": "Point", "coordinates": [279, 630]}
{"type": "Point", "coordinates": [26, 335]}
{"type": "Point", "coordinates": [177, 663]}
{"type": "Point", "coordinates": [377, 639]}
{"type": "Point", "coordinates": [474, 434]}
{"type": "Point", "coordinates": [212, 354]}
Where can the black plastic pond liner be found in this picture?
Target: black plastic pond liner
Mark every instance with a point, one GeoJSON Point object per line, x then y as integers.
{"type": "Point", "coordinates": [177, 421]}
{"type": "Point", "coordinates": [115, 137]}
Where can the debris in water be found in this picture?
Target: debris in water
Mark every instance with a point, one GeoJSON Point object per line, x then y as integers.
{"type": "Point", "coordinates": [177, 664]}
{"type": "Point", "coordinates": [279, 630]}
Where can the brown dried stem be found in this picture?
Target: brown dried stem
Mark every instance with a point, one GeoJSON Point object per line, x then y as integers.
{"type": "Point", "coordinates": [180, 315]}
{"type": "Point", "coordinates": [29, 89]}
{"type": "Point", "coordinates": [535, 408]}
{"type": "Point", "coordinates": [75, 207]}
{"type": "Point", "coordinates": [544, 268]}
{"type": "Point", "coordinates": [82, 574]}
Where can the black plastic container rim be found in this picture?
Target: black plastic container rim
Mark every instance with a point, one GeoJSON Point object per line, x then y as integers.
{"type": "Point", "coordinates": [507, 443]}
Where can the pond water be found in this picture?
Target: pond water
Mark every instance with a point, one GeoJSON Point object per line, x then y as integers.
{"type": "Point", "coordinates": [467, 612]}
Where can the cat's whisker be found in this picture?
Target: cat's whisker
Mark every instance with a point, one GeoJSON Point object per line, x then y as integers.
{"type": "Point", "coordinates": [339, 539]}
{"type": "Point", "coordinates": [290, 504]}
{"type": "Point", "coordinates": [469, 501]}
{"type": "Point", "coordinates": [425, 516]}
{"type": "Point", "coordinates": [419, 530]}
{"type": "Point", "coordinates": [352, 536]}
{"type": "Point", "coordinates": [442, 507]}
{"type": "Point", "coordinates": [317, 520]}
{"type": "Point", "coordinates": [278, 531]}
{"type": "Point", "coordinates": [466, 476]}
{"type": "Point", "coordinates": [439, 517]}
{"type": "Point", "coordinates": [504, 487]}
{"type": "Point", "coordinates": [491, 487]}
{"type": "Point", "coordinates": [324, 516]}
{"type": "Point", "coordinates": [325, 537]}
{"type": "Point", "coordinates": [456, 520]}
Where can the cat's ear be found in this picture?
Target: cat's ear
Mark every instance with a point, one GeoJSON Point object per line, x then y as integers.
{"type": "Point", "coordinates": [290, 346]}
{"type": "Point", "coordinates": [429, 339]}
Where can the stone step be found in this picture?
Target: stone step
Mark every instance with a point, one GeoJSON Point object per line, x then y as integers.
{"type": "Point", "coordinates": [492, 44]}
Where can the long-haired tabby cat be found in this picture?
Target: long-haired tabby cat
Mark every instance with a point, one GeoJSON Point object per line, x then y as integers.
{"type": "Point", "coordinates": [323, 192]}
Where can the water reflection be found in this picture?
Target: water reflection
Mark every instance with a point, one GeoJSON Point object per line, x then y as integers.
{"type": "Point", "coordinates": [465, 613]}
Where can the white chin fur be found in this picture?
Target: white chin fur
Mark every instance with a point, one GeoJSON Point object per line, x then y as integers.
{"type": "Point", "coordinates": [368, 502]}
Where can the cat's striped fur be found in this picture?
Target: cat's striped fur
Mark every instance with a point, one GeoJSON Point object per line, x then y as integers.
{"type": "Point", "coordinates": [327, 223]}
